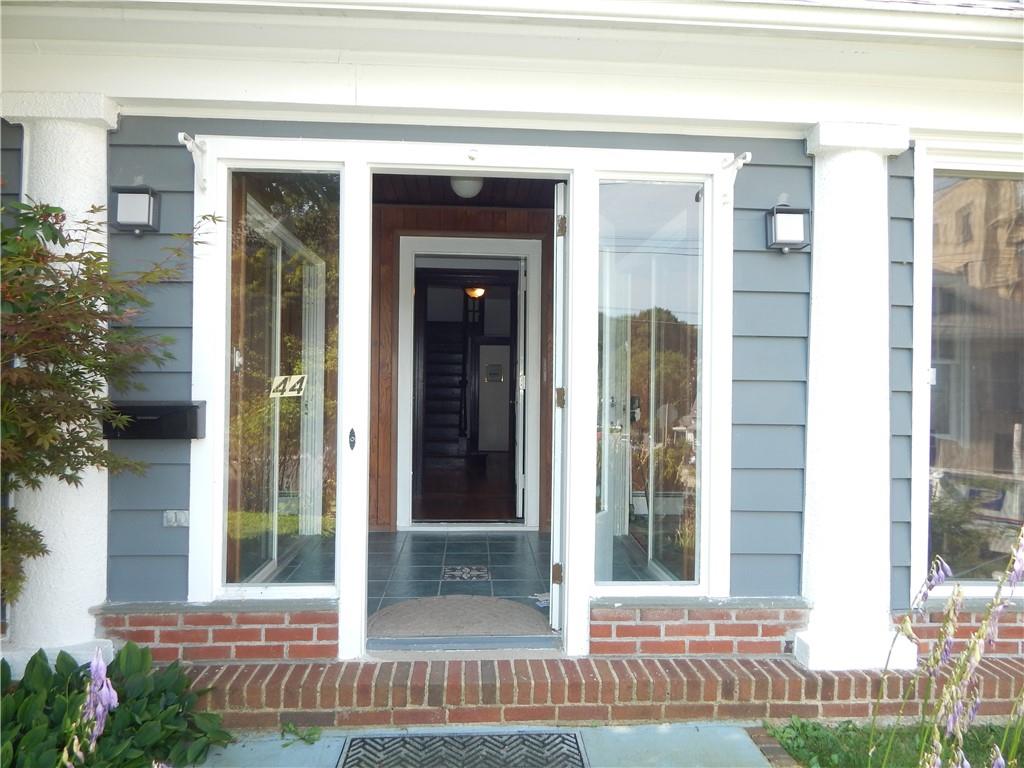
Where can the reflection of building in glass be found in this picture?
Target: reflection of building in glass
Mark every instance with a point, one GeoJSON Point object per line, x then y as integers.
{"type": "Point", "coordinates": [978, 363]}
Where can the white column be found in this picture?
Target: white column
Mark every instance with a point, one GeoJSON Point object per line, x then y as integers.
{"type": "Point", "coordinates": [64, 161]}
{"type": "Point", "coordinates": [846, 569]}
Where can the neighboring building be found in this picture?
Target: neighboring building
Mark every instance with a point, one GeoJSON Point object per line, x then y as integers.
{"type": "Point", "coordinates": [661, 408]}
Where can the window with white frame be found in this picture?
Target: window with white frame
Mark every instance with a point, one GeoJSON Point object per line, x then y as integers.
{"type": "Point", "coordinates": [976, 494]}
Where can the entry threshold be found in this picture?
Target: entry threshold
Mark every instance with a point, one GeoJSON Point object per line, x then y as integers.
{"type": "Point", "coordinates": [466, 643]}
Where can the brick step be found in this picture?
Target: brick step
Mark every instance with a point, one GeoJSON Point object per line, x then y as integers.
{"type": "Point", "coordinates": [588, 690]}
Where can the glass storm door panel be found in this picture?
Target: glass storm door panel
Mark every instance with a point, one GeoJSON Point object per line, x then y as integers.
{"type": "Point", "coordinates": [283, 378]}
{"type": "Point", "coordinates": [651, 245]}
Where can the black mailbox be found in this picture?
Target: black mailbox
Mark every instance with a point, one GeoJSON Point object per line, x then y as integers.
{"type": "Point", "coordinates": [159, 421]}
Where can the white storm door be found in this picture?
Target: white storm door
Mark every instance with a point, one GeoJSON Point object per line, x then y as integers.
{"type": "Point", "coordinates": [520, 393]}
{"type": "Point", "coordinates": [354, 407]}
{"type": "Point", "coordinates": [558, 498]}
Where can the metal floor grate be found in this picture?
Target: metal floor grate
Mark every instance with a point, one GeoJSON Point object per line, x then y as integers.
{"type": "Point", "coordinates": [513, 750]}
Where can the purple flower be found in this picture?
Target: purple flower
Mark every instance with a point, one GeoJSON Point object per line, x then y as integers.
{"type": "Point", "coordinates": [100, 697]}
{"type": "Point", "coordinates": [947, 651]}
{"type": "Point", "coordinates": [993, 623]}
{"type": "Point", "coordinates": [1017, 572]}
{"type": "Point", "coordinates": [997, 758]}
{"type": "Point", "coordinates": [944, 569]}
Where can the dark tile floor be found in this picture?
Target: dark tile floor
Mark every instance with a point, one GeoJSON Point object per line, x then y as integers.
{"type": "Point", "coordinates": [307, 560]}
{"type": "Point", "coordinates": [407, 565]}
{"type": "Point", "coordinates": [629, 561]}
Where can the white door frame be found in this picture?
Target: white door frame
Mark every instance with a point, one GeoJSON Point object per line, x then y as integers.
{"type": "Point", "coordinates": [513, 250]}
{"type": "Point", "coordinates": [584, 168]}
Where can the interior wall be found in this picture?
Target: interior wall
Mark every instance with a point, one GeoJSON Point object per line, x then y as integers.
{"type": "Point", "coordinates": [390, 222]}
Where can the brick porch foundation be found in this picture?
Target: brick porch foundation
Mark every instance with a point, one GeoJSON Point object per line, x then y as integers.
{"type": "Point", "coordinates": [1008, 638]}
{"type": "Point", "coordinates": [580, 691]}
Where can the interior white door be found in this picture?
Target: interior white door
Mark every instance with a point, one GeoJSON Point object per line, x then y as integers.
{"type": "Point", "coordinates": [520, 393]}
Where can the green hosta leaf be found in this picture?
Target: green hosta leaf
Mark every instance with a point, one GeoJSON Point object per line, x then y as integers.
{"type": "Point", "coordinates": [9, 707]}
{"type": "Point", "coordinates": [45, 758]}
{"type": "Point", "coordinates": [197, 751]}
{"type": "Point", "coordinates": [6, 755]}
{"type": "Point", "coordinates": [138, 685]}
{"type": "Point", "coordinates": [113, 750]}
{"type": "Point", "coordinates": [148, 734]}
{"type": "Point", "coordinates": [130, 659]}
{"type": "Point", "coordinates": [207, 722]}
{"type": "Point", "coordinates": [178, 754]}
{"type": "Point", "coordinates": [37, 673]}
{"type": "Point", "coordinates": [35, 737]}
{"type": "Point", "coordinates": [31, 710]}
{"type": "Point", "coordinates": [58, 708]}
{"type": "Point", "coordinates": [66, 665]}
{"type": "Point", "coordinates": [5, 675]}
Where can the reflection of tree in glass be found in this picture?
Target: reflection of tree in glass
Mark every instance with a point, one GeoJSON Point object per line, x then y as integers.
{"type": "Point", "coordinates": [963, 531]}
{"type": "Point", "coordinates": [662, 429]}
{"type": "Point", "coordinates": [306, 207]}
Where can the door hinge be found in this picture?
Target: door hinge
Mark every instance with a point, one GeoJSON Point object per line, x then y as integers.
{"type": "Point", "coordinates": [556, 573]}
{"type": "Point", "coordinates": [560, 397]}
{"type": "Point", "coordinates": [562, 227]}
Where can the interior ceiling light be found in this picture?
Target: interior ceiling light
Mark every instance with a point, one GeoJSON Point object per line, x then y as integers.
{"type": "Point", "coordinates": [466, 187]}
{"type": "Point", "coordinates": [474, 293]}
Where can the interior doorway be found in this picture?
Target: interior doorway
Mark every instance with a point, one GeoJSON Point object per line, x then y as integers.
{"type": "Point", "coordinates": [420, 222]}
{"type": "Point", "coordinates": [485, 455]}
{"type": "Point", "coordinates": [468, 345]}
{"type": "Point", "coordinates": [464, 302]}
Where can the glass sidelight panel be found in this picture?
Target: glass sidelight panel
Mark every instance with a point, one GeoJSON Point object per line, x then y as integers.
{"type": "Point", "coordinates": [976, 478]}
{"type": "Point", "coordinates": [649, 317]}
{"type": "Point", "coordinates": [283, 372]}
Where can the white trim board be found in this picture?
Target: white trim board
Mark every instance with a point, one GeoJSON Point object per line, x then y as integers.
{"type": "Point", "coordinates": [456, 252]}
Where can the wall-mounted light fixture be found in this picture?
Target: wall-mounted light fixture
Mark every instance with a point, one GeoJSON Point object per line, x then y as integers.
{"type": "Point", "coordinates": [467, 187]}
{"type": "Point", "coordinates": [475, 293]}
{"type": "Point", "coordinates": [135, 209]}
{"type": "Point", "coordinates": [787, 229]}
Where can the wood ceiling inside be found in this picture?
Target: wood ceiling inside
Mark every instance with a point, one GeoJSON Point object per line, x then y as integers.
{"type": "Point", "coordinates": [400, 189]}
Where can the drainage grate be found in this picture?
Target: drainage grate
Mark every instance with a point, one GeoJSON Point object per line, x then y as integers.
{"type": "Point", "coordinates": [514, 750]}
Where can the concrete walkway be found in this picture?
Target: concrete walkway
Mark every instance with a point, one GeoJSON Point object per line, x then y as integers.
{"type": "Point", "coordinates": [668, 745]}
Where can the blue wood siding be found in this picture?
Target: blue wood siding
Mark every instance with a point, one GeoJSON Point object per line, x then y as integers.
{"type": "Point", "coordinates": [770, 326]}
{"type": "Point", "coordinates": [771, 294]}
{"type": "Point", "coordinates": [11, 137]}
{"type": "Point", "coordinates": [901, 329]}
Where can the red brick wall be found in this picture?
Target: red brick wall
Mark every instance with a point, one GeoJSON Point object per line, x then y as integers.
{"type": "Point", "coordinates": [207, 636]}
{"type": "Point", "coordinates": [1008, 637]}
{"type": "Point", "coordinates": [703, 631]}
{"type": "Point", "coordinates": [570, 691]}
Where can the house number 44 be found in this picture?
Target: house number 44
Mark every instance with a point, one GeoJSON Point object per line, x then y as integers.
{"type": "Point", "coordinates": [288, 386]}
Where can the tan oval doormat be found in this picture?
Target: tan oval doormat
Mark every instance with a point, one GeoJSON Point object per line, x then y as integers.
{"type": "Point", "coordinates": [457, 616]}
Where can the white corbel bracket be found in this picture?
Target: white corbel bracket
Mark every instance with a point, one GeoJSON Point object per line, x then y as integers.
{"type": "Point", "coordinates": [198, 151]}
{"type": "Point", "coordinates": [731, 166]}
{"type": "Point", "coordinates": [738, 161]}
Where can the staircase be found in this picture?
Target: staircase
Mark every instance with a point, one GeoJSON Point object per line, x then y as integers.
{"type": "Point", "coordinates": [444, 394]}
